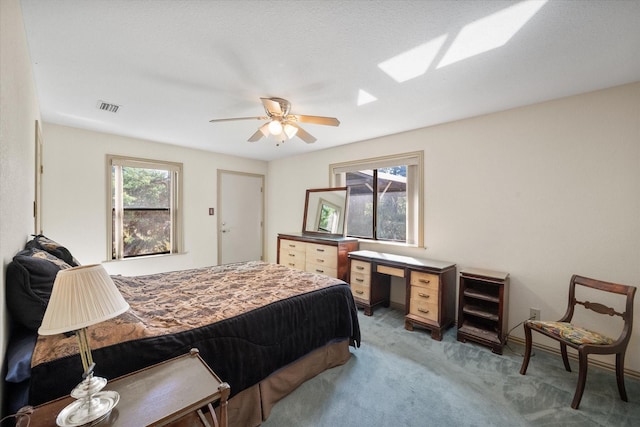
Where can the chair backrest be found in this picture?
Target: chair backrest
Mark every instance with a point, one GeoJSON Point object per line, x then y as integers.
{"type": "Point", "coordinates": [627, 315]}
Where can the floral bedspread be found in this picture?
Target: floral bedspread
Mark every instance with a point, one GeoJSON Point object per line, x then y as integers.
{"type": "Point", "coordinates": [168, 303]}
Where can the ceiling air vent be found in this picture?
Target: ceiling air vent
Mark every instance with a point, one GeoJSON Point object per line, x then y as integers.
{"type": "Point", "coordinates": [107, 106]}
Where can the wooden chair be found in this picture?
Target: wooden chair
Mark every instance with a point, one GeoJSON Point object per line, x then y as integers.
{"type": "Point", "coordinates": [583, 340]}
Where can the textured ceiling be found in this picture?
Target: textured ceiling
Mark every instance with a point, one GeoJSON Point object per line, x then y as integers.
{"type": "Point", "coordinates": [174, 65]}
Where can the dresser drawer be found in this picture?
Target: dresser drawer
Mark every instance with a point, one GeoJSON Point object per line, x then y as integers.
{"type": "Point", "coordinates": [425, 280]}
{"type": "Point", "coordinates": [426, 308]}
{"type": "Point", "coordinates": [292, 245]}
{"type": "Point", "coordinates": [322, 255]}
{"type": "Point", "coordinates": [361, 292]}
{"type": "Point", "coordinates": [321, 269]}
{"type": "Point", "coordinates": [293, 259]}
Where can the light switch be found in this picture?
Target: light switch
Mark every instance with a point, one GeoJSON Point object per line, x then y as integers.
{"type": "Point", "coordinates": [211, 211]}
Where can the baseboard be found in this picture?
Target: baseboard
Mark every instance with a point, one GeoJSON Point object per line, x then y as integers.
{"type": "Point", "coordinates": [396, 305]}
{"type": "Point", "coordinates": [594, 362]}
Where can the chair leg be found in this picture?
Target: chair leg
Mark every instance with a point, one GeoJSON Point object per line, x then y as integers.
{"type": "Point", "coordinates": [565, 358]}
{"type": "Point", "coordinates": [527, 349]}
{"type": "Point", "coordinates": [582, 379]}
{"type": "Point", "coordinates": [620, 375]}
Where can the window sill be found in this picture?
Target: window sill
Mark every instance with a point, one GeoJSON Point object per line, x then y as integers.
{"type": "Point", "coordinates": [391, 244]}
{"type": "Point", "coordinates": [143, 257]}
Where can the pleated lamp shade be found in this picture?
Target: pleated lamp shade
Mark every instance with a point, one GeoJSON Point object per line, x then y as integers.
{"type": "Point", "coordinates": [81, 296]}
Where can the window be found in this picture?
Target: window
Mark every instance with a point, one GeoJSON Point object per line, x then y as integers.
{"type": "Point", "coordinates": [144, 207]}
{"type": "Point", "coordinates": [385, 197]}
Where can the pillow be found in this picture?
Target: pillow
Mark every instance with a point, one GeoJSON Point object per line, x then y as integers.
{"type": "Point", "coordinates": [30, 278]}
{"type": "Point", "coordinates": [18, 357]}
{"type": "Point", "coordinates": [44, 243]}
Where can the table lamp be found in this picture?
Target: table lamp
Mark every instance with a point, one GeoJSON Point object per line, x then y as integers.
{"type": "Point", "coordinates": [83, 296]}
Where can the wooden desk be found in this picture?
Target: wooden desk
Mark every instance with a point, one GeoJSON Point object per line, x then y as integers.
{"type": "Point", "coordinates": [154, 396]}
{"type": "Point", "coordinates": [430, 284]}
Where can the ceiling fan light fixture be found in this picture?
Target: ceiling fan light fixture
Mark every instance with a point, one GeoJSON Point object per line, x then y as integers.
{"type": "Point", "coordinates": [265, 129]}
{"type": "Point", "coordinates": [290, 130]}
{"type": "Point", "coordinates": [275, 127]}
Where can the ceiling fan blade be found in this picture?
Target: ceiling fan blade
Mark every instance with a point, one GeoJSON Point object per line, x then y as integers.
{"type": "Point", "coordinates": [303, 134]}
{"type": "Point", "coordinates": [239, 118]}
{"type": "Point", "coordinates": [256, 136]}
{"type": "Point", "coordinates": [271, 106]}
{"type": "Point", "coordinates": [317, 120]}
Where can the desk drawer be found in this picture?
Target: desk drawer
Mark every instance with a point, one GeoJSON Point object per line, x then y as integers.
{"type": "Point", "coordinates": [391, 271]}
{"type": "Point", "coordinates": [425, 280]}
{"type": "Point", "coordinates": [362, 279]}
{"type": "Point", "coordinates": [361, 292]}
{"type": "Point", "coordinates": [322, 255]}
{"type": "Point", "coordinates": [424, 294]}
{"type": "Point", "coordinates": [361, 267]}
{"type": "Point", "coordinates": [424, 308]}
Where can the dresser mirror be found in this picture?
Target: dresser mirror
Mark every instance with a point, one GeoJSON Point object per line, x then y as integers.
{"type": "Point", "coordinates": [325, 211]}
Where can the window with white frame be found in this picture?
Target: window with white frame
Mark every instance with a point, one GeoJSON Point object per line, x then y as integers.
{"type": "Point", "coordinates": [385, 197]}
{"type": "Point", "coordinates": [144, 207]}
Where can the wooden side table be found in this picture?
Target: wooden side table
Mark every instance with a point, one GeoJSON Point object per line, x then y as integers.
{"type": "Point", "coordinates": [155, 396]}
{"type": "Point", "coordinates": [482, 307]}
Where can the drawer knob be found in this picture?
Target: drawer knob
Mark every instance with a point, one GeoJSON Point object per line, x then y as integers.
{"type": "Point", "coordinates": [292, 255]}
{"type": "Point", "coordinates": [424, 281]}
{"type": "Point", "coordinates": [319, 271]}
{"type": "Point", "coordinates": [292, 246]}
{"type": "Point", "coordinates": [359, 280]}
{"type": "Point", "coordinates": [420, 294]}
{"type": "Point", "coordinates": [359, 292]}
{"type": "Point", "coordinates": [291, 264]}
{"type": "Point", "coordinates": [422, 310]}
{"type": "Point", "coordinates": [320, 260]}
{"type": "Point", "coordinates": [319, 250]}
{"type": "Point", "coordinates": [359, 267]}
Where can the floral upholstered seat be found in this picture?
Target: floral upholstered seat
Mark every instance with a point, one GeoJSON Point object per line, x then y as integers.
{"type": "Point", "coordinates": [571, 332]}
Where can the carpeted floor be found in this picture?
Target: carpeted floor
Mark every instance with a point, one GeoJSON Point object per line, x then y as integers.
{"type": "Point", "coordinates": [402, 378]}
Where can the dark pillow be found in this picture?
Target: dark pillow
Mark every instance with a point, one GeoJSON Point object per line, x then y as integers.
{"type": "Point", "coordinates": [30, 278]}
{"type": "Point", "coordinates": [44, 243]}
{"type": "Point", "coordinates": [18, 356]}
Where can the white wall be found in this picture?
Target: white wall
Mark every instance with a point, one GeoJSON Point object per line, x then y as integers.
{"type": "Point", "coordinates": [75, 203]}
{"type": "Point", "coordinates": [541, 192]}
{"type": "Point", "coordinates": [19, 111]}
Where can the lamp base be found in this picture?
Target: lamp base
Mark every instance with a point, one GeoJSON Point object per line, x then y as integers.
{"type": "Point", "coordinates": [88, 411]}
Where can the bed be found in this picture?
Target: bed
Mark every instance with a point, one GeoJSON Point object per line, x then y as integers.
{"type": "Point", "coordinates": [263, 328]}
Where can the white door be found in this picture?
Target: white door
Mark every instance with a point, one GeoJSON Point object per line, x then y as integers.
{"type": "Point", "coordinates": [240, 216]}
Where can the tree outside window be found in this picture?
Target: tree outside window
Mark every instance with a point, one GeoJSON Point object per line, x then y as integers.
{"type": "Point", "coordinates": [378, 203]}
{"type": "Point", "coordinates": [143, 212]}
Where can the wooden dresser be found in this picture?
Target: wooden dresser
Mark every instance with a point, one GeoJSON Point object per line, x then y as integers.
{"type": "Point", "coordinates": [316, 253]}
{"type": "Point", "coordinates": [430, 285]}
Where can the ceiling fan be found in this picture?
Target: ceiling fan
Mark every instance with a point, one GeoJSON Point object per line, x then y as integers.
{"type": "Point", "coordinates": [281, 124]}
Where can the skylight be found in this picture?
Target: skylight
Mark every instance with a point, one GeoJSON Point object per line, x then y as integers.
{"type": "Point", "coordinates": [490, 32]}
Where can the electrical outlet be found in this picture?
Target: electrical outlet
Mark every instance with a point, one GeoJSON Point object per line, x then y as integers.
{"type": "Point", "coordinates": [534, 314]}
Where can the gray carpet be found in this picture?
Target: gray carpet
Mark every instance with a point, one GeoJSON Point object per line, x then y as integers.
{"type": "Point", "coordinates": [402, 378]}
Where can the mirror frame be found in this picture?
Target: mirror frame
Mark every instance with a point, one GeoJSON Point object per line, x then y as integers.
{"type": "Point", "coordinates": [343, 217]}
